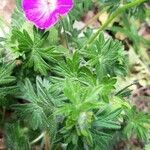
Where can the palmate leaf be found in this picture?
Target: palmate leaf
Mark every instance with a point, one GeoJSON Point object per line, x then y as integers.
{"type": "Point", "coordinates": [101, 140]}
{"type": "Point", "coordinates": [41, 103]}
{"type": "Point", "coordinates": [78, 110]}
{"type": "Point", "coordinates": [36, 55]}
{"type": "Point", "coordinates": [99, 134]}
{"type": "Point", "coordinates": [137, 124]}
{"type": "Point", "coordinates": [16, 138]}
{"type": "Point", "coordinates": [73, 68]}
{"type": "Point", "coordinates": [6, 82]}
{"type": "Point", "coordinates": [41, 58]}
{"type": "Point", "coordinates": [77, 93]}
{"type": "Point", "coordinates": [108, 120]}
{"type": "Point", "coordinates": [81, 99]}
{"type": "Point", "coordinates": [33, 115]}
{"type": "Point", "coordinates": [23, 39]}
{"type": "Point", "coordinates": [5, 73]}
{"type": "Point", "coordinates": [106, 56]}
{"type": "Point", "coordinates": [103, 128]}
{"type": "Point", "coordinates": [17, 18]}
{"type": "Point", "coordinates": [6, 95]}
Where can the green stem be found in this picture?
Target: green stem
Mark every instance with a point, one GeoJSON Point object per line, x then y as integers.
{"type": "Point", "coordinates": [38, 138]}
{"type": "Point", "coordinates": [110, 19]}
{"type": "Point", "coordinates": [126, 87]}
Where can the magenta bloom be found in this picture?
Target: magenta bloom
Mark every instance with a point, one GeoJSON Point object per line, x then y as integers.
{"type": "Point", "coordinates": [46, 13]}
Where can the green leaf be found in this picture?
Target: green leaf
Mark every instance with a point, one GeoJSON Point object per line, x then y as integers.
{"type": "Point", "coordinates": [106, 56]}
{"type": "Point", "coordinates": [16, 137]}
{"type": "Point", "coordinates": [25, 43]}
{"type": "Point", "coordinates": [41, 103]}
{"type": "Point", "coordinates": [101, 140]}
{"type": "Point", "coordinates": [7, 87]}
{"type": "Point", "coordinates": [78, 109]}
{"type": "Point", "coordinates": [137, 124]}
{"type": "Point", "coordinates": [5, 73]}
{"type": "Point", "coordinates": [36, 55]}
{"type": "Point", "coordinates": [108, 120]}
{"type": "Point", "coordinates": [2, 39]}
{"type": "Point", "coordinates": [18, 18]}
{"type": "Point", "coordinates": [7, 93]}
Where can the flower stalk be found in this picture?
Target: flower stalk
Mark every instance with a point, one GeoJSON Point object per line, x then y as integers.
{"type": "Point", "coordinates": [121, 9]}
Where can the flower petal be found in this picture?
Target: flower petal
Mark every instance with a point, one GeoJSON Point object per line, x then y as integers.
{"type": "Point", "coordinates": [41, 19]}
{"type": "Point", "coordinates": [30, 4]}
{"type": "Point", "coordinates": [44, 13]}
{"type": "Point", "coordinates": [64, 6]}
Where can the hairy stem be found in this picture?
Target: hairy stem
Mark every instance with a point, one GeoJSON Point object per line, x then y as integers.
{"type": "Point", "coordinates": [38, 138]}
{"type": "Point", "coordinates": [111, 18]}
{"type": "Point", "coordinates": [47, 144]}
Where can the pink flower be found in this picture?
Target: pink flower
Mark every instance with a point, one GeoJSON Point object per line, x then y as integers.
{"type": "Point", "coordinates": [46, 13]}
